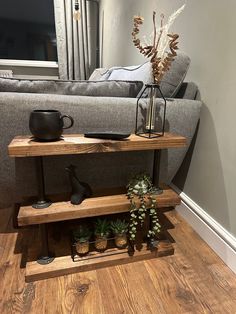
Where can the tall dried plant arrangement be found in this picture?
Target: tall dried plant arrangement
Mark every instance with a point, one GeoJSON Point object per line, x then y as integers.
{"type": "Point", "coordinates": [161, 47]}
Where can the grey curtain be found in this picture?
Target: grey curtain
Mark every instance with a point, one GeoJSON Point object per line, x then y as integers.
{"type": "Point", "coordinates": [74, 40]}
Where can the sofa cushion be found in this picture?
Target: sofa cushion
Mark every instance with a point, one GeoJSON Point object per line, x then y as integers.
{"type": "Point", "coordinates": [173, 79]}
{"type": "Point", "coordinates": [170, 83]}
{"type": "Point", "coordinates": [81, 88]}
{"type": "Point", "coordinates": [90, 114]}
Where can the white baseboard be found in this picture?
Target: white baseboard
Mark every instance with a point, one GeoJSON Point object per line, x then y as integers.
{"type": "Point", "coordinates": [216, 236]}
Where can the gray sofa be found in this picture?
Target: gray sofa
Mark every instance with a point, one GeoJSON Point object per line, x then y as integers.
{"type": "Point", "coordinates": [17, 177]}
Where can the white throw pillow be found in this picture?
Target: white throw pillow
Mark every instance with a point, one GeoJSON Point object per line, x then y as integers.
{"type": "Point", "coordinates": [141, 72]}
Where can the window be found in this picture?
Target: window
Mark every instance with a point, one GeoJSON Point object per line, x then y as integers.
{"type": "Point", "coordinates": [27, 30]}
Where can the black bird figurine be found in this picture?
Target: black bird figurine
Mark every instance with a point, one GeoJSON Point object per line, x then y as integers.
{"type": "Point", "coordinates": [79, 190]}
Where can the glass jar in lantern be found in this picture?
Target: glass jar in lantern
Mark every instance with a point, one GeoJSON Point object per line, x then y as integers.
{"type": "Point", "coordinates": [149, 122]}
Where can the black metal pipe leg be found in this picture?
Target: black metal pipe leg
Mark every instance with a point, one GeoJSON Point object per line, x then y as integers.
{"type": "Point", "coordinates": [42, 202]}
{"type": "Point", "coordinates": [45, 257]}
{"type": "Point", "coordinates": [131, 248]}
{"type": "Point", "coordinates": [156, 172]}
{"type": "Point", "coordinates": [153, 244]}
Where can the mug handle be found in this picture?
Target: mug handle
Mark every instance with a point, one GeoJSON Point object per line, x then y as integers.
{"type": "Point", "coordinates": [71, 121]}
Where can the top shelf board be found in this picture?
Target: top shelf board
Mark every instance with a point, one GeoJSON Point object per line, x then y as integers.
{"type": "Point", "coordinates": [26, 146]}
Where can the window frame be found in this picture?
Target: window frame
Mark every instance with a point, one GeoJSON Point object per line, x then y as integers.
{"type": "Point", "coordinates": [29, 63]}
{"type": "Point", "coordinates": [24, 63]}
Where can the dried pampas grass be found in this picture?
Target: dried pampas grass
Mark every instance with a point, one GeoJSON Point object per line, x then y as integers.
{"type": "Point", "coordinates": [161, 46]}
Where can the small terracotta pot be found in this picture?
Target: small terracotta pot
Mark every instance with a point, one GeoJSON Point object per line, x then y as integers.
{"type": "Point", "coordinates": [82, 248]}
{"type": "Point", "coordinates": [101, 243]}
{"type": "Point", "coordinates": [121, 240]}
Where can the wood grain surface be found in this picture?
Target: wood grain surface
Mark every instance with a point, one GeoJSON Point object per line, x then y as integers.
{"type": "Point", "coordinates": [26, 146]}
{"type": "Point", "coordinates": [94, 206]}
{"type": "Point", "coordinates": [64, 265]}
{"type": "Point", "coordinates": [193, 280]}
{"type": "Point", "coordinates": [59, 235]}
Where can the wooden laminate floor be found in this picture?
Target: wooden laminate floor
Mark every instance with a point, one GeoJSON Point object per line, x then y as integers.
{"type": "Point", "coordinates": [194, 280]}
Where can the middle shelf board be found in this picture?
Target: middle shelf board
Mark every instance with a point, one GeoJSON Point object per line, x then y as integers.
{"type": "Point", "coordinates": [94, 206]}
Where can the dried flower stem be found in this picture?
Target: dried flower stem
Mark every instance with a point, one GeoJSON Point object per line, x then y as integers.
{"type": "Point", "coordinates": [155, 29]}
{"type": "Point", "coordinates": [161, 31]}
{"type": "Point", "coordinates": [160, 59]}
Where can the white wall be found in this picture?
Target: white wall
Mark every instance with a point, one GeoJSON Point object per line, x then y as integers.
{"type": "Point", "coordinates": [118, 48]}
{"type": "Point", "coordinates": [207, 35]}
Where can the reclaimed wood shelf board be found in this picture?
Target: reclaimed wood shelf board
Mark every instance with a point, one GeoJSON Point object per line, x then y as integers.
{"type": "Point", "coordinates": [60, 244]}
{"type": "Point", "coordinates": [90, 207]}
{"type": "Point", "coordinates": [64, 265]}
{"type": "Point", "coordinates": [26, 146]}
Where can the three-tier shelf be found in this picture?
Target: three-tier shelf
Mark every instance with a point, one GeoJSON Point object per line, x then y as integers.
{"type": "Point", "coordinates": [112, 201]}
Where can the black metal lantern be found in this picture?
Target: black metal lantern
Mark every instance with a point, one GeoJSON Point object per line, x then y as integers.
{"type": "Point", "coordinates": [149, 122]}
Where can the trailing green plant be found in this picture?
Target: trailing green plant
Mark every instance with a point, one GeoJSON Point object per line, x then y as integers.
{"type": "Point", "coordinates": [142, 202]}
{"type": "Point", "coordinates": [102, 227]}
{"type": "Point", "coordinates": [119, 226]}
{"type": "Point", "coordinates": [82, 234]}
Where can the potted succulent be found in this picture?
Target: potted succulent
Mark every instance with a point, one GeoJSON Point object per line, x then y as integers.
{"type": "Point", "coordinates": [142, 202]}
{"type": "Point", "coordinates": [81, 238]}
{"type": "Point", "coordinates": [102, 229]}
{"type": "Point", "coordinates": [120, 229]}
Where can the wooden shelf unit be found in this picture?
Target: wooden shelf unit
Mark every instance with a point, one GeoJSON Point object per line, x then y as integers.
{"type": "Point", "coordinates": [25, 146]}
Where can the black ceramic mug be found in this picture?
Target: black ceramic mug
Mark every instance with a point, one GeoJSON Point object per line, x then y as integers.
{"type": "Point", "coordinates": [48, 125]}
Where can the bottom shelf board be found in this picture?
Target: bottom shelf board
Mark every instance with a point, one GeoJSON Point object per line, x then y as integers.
{"type": "Point", "coordinates": [64, 265]}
